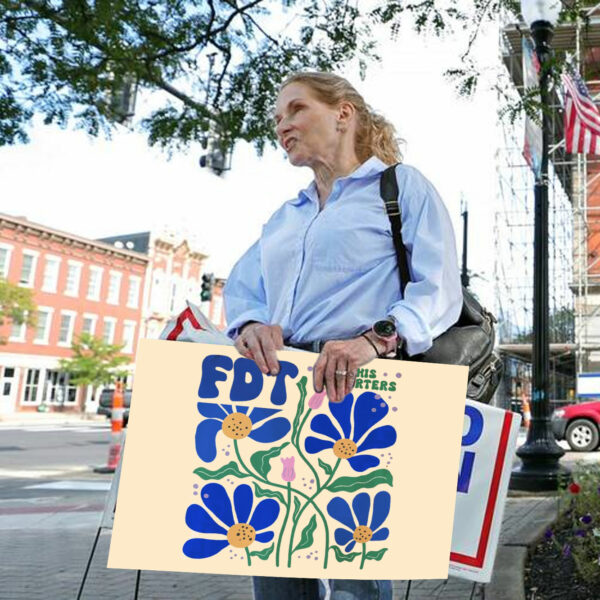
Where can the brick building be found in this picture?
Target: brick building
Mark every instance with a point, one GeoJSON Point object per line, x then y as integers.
{"type": "Point", "coordinates": [79, 285]}
{"type": "Point", "coordinates": [121, 289]}
{"type": "Point", "coordinates": [174, 275]}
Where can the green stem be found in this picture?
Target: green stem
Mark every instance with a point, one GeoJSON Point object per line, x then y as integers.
{"type": "Point", "coordinates": [287, 514]}
{"type": "Point", "coordinates": [248, 557]}
{"type": "Point", "coordinates": [311, 501]}
{"type": "Point", "coordinates": [297, 446]}
{"type": "Point", "coordinates": [364, 556]}
{"type": "Point", "coordinates": [277, 485]}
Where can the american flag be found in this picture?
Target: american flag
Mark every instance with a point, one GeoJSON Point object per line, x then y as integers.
{"type": "Point", "coordinates": [582, 119]}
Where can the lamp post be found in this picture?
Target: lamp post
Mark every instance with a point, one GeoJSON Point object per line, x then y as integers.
{"type": "Point", "coordinates": [540, 469]}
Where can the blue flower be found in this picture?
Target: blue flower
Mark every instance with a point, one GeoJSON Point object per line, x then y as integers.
{"type": "Point", "coordinates": [240, 531]}
{"type": "Point", "coordinates": [236, 425]}
{"type": "Point", "coordinates": [369, 409]}
{"type": "Point", "coordinates": [357, 531]}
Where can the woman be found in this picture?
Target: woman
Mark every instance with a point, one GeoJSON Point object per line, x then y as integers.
{"type": "Point", "coordinates": [324, 277]}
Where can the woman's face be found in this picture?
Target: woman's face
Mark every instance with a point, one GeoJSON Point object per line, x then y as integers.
{"type": "Point", "coordinates": [306, 127]}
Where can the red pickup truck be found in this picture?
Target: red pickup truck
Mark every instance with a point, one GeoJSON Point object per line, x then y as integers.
{"type": "Point", "coordinates": [579, 424]}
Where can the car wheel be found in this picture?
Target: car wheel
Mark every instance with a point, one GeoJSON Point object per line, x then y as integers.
{"type": "Point", "coordinates": [582, 435]}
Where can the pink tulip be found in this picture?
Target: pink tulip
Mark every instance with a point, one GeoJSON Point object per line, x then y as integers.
{"type": "Point", "coordinates": [288, 469]}
{"type": "Point", "coordinates": [315, 402]}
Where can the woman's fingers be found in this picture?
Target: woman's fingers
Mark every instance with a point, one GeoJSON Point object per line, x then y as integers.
{"type": "Point", "coordinates": [260, 342]}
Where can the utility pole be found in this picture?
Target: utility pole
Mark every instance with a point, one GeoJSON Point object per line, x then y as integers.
{"type": "Point", "coordinates": [464, 276]}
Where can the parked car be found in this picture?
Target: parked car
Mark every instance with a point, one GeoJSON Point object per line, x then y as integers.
{"type": "Point", "coordinates": [579, 425]}
{"type": "Point", "coordinates": [106, 402]}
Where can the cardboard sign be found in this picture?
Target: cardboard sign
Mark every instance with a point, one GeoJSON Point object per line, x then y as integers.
{"type": "Point", "coordinates": [230, 471]}
{"type": "Point", "coordinates": [488, 446]}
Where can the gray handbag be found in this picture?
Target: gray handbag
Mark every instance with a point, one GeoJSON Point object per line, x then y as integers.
{"type": "Point", "coordinates": [470, 341]}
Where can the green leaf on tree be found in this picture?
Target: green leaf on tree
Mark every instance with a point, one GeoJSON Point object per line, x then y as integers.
{"type": "Point", "coordinates": [261, 460]}
{"type": "Point", "coordinates": [341, 557]}
{"type": "Point", "coordinates": [260, 492]}
{"type": "Point", "coordinates": [306, 538]}
{"type": "Point", "coordinates": [263, 554]}
{"type": "Point", "coordinates": [351, 484]}
{"type": "Point", "coordinates": [231, 468]}
{"type": "Point", "coordinates": [327, 468]}
{"type": "Point", "coordinates": [376, 554]}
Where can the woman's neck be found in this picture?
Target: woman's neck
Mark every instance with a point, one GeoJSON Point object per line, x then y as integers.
{"type": "Point", "coordinates": [327, 173]}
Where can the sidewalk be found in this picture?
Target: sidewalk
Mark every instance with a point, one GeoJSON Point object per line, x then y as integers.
{"type": "Point", "coordinates": [46, 563]}
{"type": "Point", "coordinates": [25, 419]}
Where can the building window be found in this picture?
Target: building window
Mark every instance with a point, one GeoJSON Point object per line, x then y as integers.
{"type": "Point", "coordinates": [51, 269]}
{"type": "Point", "coordinates": [89, 324]}
{"type": "Point", "coordinates": [42, 330]}
{"type": "Point", "coordinates": [110, 324]}
{"type": "Point", "coordinates": [114, 287]}
{"type": "Point", "coordinates": [133, 294]}
{"type": "Point", "coordinates": [65, 333]}
{"type": "Point", "coordinates": [158, 295]}
{"type": "Point", "coordinates": [128, 336]}
{"type": "Point", "coordinates": [28, 269]}
{"type": "Point", "coordinates": [5, 251]}
{"type": "Point", "coordinates": [95, 283]}
{"type": "Point", "coordinates": [32, 381]}
{"type": "Point", "coordinates": [73, 279]}
{"type": "Point", "coordinates": [17, 331]}
{"type": "Point", "coordinates": [58, 390]}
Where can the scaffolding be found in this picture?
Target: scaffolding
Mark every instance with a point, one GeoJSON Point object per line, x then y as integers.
{"type": "Point", "coordinates": [568, 184]}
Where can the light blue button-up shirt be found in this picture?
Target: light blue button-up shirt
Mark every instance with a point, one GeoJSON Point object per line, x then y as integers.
{"type": "Point", "coordinates": [330, 274]}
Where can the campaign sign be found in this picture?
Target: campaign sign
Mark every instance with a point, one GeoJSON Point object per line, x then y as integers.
{"type": "Point", "coordinates": [488, 446]}
{"type": "Point", "coordinates": [230, 471]}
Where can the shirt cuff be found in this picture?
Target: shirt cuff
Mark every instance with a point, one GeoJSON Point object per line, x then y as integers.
{"type": "Point", "coordinates": [233, 328]}
{"type": "Point", "coordinates": [410, 326]}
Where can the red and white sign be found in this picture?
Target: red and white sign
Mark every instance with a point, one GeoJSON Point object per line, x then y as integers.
{"type": "Point", "coordinates": [488, 446]}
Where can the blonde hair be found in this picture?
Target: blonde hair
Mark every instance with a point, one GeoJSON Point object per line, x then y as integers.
{"type": "Point", "coordinates": [375, 135]}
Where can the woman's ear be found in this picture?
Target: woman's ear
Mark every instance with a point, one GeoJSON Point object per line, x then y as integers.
{"type": "Point", "coordinates": [346, 111]}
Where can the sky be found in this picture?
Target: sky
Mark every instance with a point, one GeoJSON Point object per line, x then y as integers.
{"type": "Point", "coordinates": [91, 187]}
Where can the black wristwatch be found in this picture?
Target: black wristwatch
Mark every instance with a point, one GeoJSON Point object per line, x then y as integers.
{"type": "Point", "coordinates": [385, 330]}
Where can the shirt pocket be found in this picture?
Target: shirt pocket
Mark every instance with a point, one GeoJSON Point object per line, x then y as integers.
{"type": "Point", "coordinates": [350, 242]}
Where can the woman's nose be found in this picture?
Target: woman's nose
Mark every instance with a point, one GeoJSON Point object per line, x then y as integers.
{"type": "Point", "coordinates": [282, 128]}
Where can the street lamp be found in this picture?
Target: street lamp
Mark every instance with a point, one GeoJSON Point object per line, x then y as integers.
{"type": "Point", "coordinates": [540, 469]}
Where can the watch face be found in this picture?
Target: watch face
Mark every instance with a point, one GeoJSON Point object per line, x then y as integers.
{"type": "Point", "coordinates": [384, 329]}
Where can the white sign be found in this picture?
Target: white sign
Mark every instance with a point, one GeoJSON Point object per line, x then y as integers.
{"type": "Point", "coordinates": [488, 446]}
{"type": "Point", "coordinates": [588, 385]}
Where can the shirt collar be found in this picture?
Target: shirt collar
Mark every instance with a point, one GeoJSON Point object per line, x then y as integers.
{"type": "Point", "coordinates": [372, 166]}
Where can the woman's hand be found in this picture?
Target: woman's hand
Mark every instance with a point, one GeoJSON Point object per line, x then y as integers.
{"type": "Point", "coordinates": [337, 364]}
{"type": "Point", "coordinates": [260, 343]}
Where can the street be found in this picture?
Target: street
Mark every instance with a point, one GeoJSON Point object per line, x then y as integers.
{"type": "Point", "coordinates": [51, 503]}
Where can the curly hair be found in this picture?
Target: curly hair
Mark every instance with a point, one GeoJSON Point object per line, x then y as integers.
{"type": "Point", "coordinates": [375, 135]}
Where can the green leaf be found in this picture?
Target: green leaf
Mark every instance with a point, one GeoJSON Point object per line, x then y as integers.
{"type": "Point", "coordinates": [327, 468]}
{"type": "Point", "coordinates": [231, 468]}
{"type": "Point", "coordinates": [306, 538]}
{"type": "Point", "coordinates": [341, 557]}
{"type": "Point", "coordinates": [376, 554]}
{"type": "Point", "coordinates": [296, 508]}
{"type": "Point", "coordinates": [260, 460]}
{"type": "Point", "coordinates": [263, 554]}
{"type": "Point", "coordinates": [351, 484]}
{"type": "Point", "coordinates": [296, 423]}
{"type": "Point", "coordinates": [259, 492]}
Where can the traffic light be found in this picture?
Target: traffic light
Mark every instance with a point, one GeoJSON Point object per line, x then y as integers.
{"type": "Point", "coordinates": [208, 281]}
{"type": "Point", "coordinates": [218, 158]}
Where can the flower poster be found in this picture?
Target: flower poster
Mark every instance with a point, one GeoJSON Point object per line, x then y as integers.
{"type": "Point", "coordinates": [227, 470]}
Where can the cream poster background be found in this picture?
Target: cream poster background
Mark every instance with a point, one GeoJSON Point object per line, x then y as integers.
{"type": "Point", "coordinates": [287, 484]}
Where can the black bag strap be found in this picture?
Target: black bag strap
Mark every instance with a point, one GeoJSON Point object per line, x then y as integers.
{"type": "Point", "coordinates": [388, 188]}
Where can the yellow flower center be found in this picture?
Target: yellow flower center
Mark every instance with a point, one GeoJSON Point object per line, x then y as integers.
{"type": "Point", "coordinates": [362, 534]}
{"type": "Point", "coordinates": [237, 426]}
{"type": "Point", "coordinates": [241, 535]}
{"type": "Point", "coordinates": [344, 448]}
